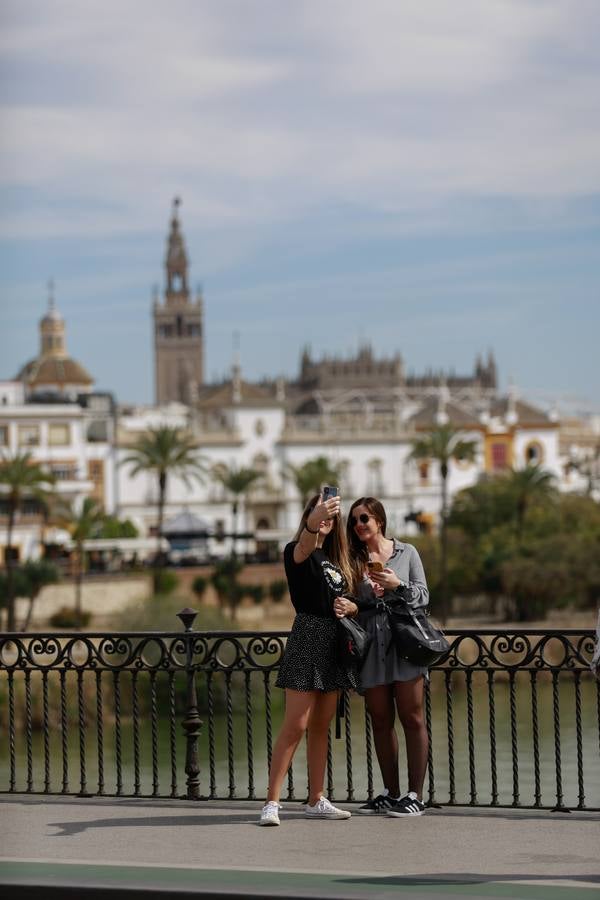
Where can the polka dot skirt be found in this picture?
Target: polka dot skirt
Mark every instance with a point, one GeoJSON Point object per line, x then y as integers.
{"type": "Point", "coordinates": [309, 662]}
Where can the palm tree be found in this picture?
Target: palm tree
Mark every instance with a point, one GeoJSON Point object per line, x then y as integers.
{"type": "Point", "coordinates": [20, 477]}
{"type": "Point", "coordinates": [36, 575]}
{"type": "Point", "coordinates": [526, 486]}
{"type": "Point", "coordinates": [443, 444]}
{"type": "Point", "coordinates": [166, 451]}
{"type": "Point", "coordinates": [310, 477]}
{"type": "Point", "coordinates": [237, 482]}
{"type": "Point", "coordinates": [82, 526]}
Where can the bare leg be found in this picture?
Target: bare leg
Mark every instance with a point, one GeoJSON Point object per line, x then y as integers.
{"type": "Point", "coordinates": [318, 731]}
{"type": "Point", "coordinates": [380, 703]}
{"type": "Point", "coordinates": [409, 702]}
{"type": "Point", "coordinates": [298, 707]}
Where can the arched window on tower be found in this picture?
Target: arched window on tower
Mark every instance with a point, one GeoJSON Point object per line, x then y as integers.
{"type": "Point", "coordinates": [534, 453]}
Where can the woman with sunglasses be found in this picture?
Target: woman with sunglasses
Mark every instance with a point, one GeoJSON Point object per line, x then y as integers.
{"type": "Point", "coordinates": [388, 570]}
{"type": "Point", "coordinates": [318, 571]}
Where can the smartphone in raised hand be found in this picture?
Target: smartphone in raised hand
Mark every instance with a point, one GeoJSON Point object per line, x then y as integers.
{"type": "Point", "coordinates": [330, 491]}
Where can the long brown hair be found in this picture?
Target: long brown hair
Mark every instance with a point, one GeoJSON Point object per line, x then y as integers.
{"type": "Point", "coordinates": [359, 554]}
{"type": "Point", "coordinates": [335, 545]}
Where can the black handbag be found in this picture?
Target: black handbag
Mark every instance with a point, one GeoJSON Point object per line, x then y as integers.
{"type": "Point", "coordinates": [415, 637]}
{"type": "Point", "coordinates": [353, 643]}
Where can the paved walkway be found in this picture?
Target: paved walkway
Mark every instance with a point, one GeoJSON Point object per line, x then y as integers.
{"type": "Point", "coordinates": [71, 847]}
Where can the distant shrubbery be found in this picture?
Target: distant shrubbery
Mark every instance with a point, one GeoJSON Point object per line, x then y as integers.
{"type": "Point", "coordinates": [278, 590]}
{"type": "Point", "coordinates": [67, 617]}
{"type": "Point", "coordinates": [165, 581]}
{"type": "Point", "coordinates": [28, 581]}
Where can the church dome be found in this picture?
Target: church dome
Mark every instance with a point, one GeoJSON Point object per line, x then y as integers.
{"type": "Point", "coordinates": [52, 371]}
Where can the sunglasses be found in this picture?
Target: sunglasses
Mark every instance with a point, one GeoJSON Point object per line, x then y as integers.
{"type": "Point", "coordinates": [363, 518]}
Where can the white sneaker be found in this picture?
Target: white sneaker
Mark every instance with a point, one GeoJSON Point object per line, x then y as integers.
{"type": "Point", "coordinates": [270, 813]}
{"type": "Point", "coordinates": [323, 809]}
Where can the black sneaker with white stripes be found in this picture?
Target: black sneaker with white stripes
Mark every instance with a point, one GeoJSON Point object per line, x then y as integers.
{"type": "Point", "coordinates": [407, 806]}
{"type": "Point", "coordinates": [378, 806]}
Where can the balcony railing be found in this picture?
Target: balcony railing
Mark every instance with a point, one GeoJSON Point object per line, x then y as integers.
{"type": "Point", "coordinates": [513, 719]}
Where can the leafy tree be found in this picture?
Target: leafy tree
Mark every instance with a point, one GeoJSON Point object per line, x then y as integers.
{"type": "Point", "coordinates": [237, 482]}
{"type": "Point", "coordinates": [81, 525]}
{"type": "Point", "coordinates": [199, 585]}
{"type": "Point", "coordinates": [112, 527]}
{"type": "Point", "coordinates": [19, 587]}
{"type": "Point", "coordinates": [224, 579]}
{"type": "Point", "coordinates": [536, 577]}
{"type": "Point", "coordinates": [166, 451]}
{"type": "Point", "coordinates": [20, 477]}
{"type": "Point", "coordinates": [527, 486]}
{"type": "Point", "coordinates": [516, 534]}
{"type": "Point", "coordinates": [310, 477]}
{"type": "Point", "coordinates": [443, 444]}
{"type": "Point", "coordinates": [482, 507]}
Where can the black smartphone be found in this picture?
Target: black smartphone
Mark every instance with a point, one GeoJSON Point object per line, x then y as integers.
{"type": "Point", "coordinates": [329, 491]}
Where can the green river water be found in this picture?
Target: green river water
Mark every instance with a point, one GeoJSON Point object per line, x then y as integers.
{"type": "Point", "coordinates": [236, 738]}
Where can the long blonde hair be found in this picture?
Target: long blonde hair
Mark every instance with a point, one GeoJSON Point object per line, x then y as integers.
{"type": "Point", "coordinates": [335, 545]}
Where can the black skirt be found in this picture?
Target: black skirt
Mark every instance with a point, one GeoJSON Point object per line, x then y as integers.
{"type": "Point", "coordinates": [309, 662]}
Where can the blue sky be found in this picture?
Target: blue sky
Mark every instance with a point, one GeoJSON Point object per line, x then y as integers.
{"type": "Point", "coordinates": [422, 175]}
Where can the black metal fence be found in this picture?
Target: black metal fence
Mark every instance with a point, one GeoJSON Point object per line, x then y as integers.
{"type": "Point", "coordinates": [513, 719]}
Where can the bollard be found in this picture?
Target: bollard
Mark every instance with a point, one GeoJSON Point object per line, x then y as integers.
{"type": "Point", "coordinates": [192, 724]}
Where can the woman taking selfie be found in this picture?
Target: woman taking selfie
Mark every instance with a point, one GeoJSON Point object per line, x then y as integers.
{"type": "Point", "coordinates": [391, 571]}
{"type": "Point", "coordinates": [318, 571]}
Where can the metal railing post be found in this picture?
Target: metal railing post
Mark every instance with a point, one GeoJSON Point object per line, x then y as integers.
{"type": "Point", "coordinates": [192, 724]}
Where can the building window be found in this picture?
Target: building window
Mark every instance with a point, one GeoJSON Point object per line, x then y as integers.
{"type": "Point", "coordinates": [64, 471]}
{"type": "Point", "coordinates": [423, 467]}
{"type": "Point", "coordinates": [59, 435]}
{"type": "Point", "coordinates": [534, 453]}
{"type": "Point", "coordinates": [375, 480]}
{"type": "Point", "coordinates": [96, 474]}
{"type": "Point", "coordinates": [29, 435]}
{"type": "Point", "coordinates": [3, 435]}
{"type": "Point", "coordinates": [499, 456]}
{"type": "Point", "coordinates": [259, 428]}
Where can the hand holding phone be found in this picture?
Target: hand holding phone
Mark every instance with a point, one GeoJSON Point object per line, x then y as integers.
{"type": "Point", "coordinates": [374, 565]}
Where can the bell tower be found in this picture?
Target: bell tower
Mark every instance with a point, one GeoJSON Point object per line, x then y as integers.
{"type": "Point", "coordinates": [178, 326]}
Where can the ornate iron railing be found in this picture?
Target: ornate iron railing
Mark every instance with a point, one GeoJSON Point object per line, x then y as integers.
{"type": "Point", "coordinates": [513, 718]}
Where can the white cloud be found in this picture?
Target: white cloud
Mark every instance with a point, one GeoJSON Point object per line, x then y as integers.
{"type": "Point", "coordinates": [389, 106]}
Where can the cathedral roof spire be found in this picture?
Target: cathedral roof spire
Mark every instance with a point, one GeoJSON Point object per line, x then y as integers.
{"type": "Point", "coordinates": [52, 329]}
{"type": "Point", "coordinates": [177, 261]}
